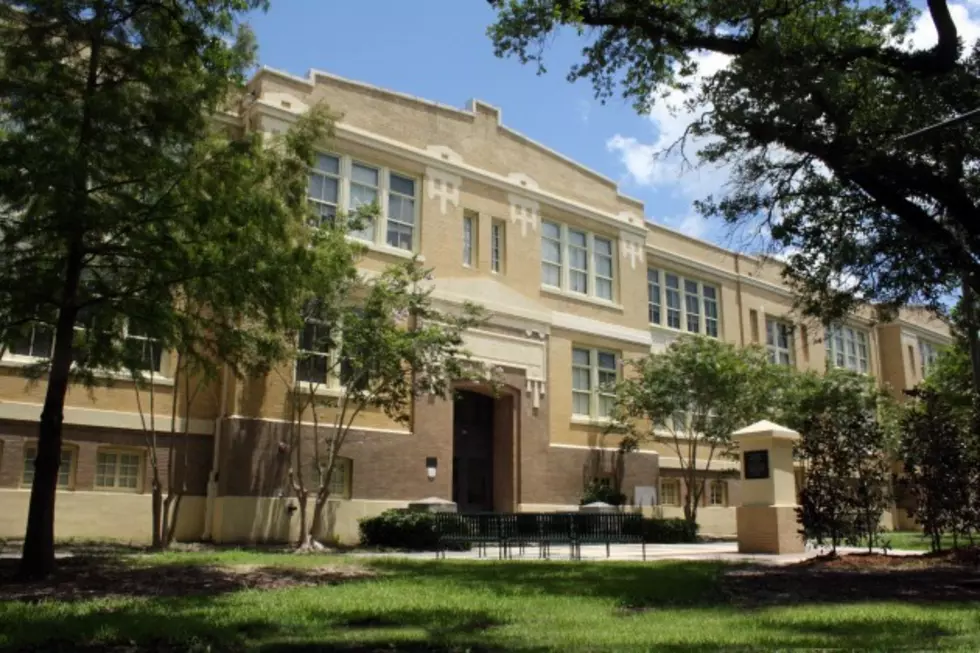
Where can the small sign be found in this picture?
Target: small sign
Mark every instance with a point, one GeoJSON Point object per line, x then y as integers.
{"type": "Point", "coordinates": [755, 464]}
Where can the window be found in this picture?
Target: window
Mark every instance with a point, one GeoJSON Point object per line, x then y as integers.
{"type": "Point", "coordinates": [66, 471]}
{"type": "Point", "coordinates": [718, 493]}
{"type": "Point", "coordinates": [928, 355]}
{"type": "Point", "coordinates": [550, 254]}
{"type": "Point", "coordinates": [678, 422]}
{"type": "Point", "coordinates": [577, 261]}
{"type": "Point", "coordinates": [653, 295]}
{"type": "Point", "coordinates": [341, 181]}
{"type": "Point", "coordinates": [37, 342]}
{"type": "Point", "coordinates": [847, 348]}
{"type": "Point", "coordinates": [364, 183]}
{"type": "Point", "coordinates": [401, 211]}
{"type": "Point", "coordinates": [497, 245]}
{"type": "Point", "coordinates": [340, 478]}
{"type": "Point", "coordinates": [710, 299]}
{"type": "Point", "coordinates": [673, 301]}
{"type": "Point", "coordinates": [118, 470]}
{"type": "Point", "coordinates": [670, 492]}
{"type": "Point", "coordinates": [594, 373]}
{"type": "Point", "coordinates": [690, 304]}
{"type": "Point", "coordinates": [324, 191]}
{"type": "Point", "coordinates": [779, 342]}
{"type": "Point", "coordinates": [146, 349]}
{"type": "Point", "coordinates": [468, 238]}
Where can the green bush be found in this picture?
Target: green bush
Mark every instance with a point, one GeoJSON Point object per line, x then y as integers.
{"type": "Point", "coordinates": [669, 531]}
{"type": "Point", "coordinates": [400, 529]}
{"type": "Point", "coordinates": [601, 490]}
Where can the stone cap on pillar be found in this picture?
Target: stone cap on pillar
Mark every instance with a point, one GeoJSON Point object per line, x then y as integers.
{"type": "Point", "coordinates": [766, 429]}
{"type": "Point", "coordinates": [432, 504]}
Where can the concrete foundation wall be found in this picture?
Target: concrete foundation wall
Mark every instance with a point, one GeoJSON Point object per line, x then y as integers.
{"type": "Point", "coordinates": [264, 519]}
{"type": "Point", "coordinates": [100, 516]}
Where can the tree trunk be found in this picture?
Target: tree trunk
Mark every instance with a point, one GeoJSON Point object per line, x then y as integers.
{"type": "Point", "coordinates": [37, 560]}
{"type": "Point", "coordinates": [972, 336]}
{"type": "Point", "coordinates": [301, 500]}
{"type": "Point", "coordinates": [171, 506]}
{"type": "Point", "coordinates": [157, 498]}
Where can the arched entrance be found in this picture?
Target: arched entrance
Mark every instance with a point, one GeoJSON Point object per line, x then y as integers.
{"type": "Point", "coordinates": [484, 456]}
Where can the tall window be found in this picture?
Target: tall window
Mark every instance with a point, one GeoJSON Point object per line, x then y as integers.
{"type": "Point", "coordinates": [340, 477]}
{"type": "Point", "coordinates": [718, 493]}
{"type": "Point", "coordinates": [847, 348]}
{"type": "Point", "coordinates": [401, 211]}
{"type": "Point", "coordinates": [339, 181]}
{"type": "Point", "coordinates": [315, 354]}
{"type": "Point", "coordinates": [551, 254]}
{"type": "Point", "coordinates": [118, 470]}
{"type": "Point", "coordinates": [594, 373]}
{"type": "Point", "coordinates": [497, 246]}
{"type": "Point", "coordinates": [577, 261]}
{"type": "Point", "coordinates": [928, 355]}
{"type": "Point", "coordinates": [680, 303]}
{"type": "Point", "coordinates": [324, 189]}
{"type": "Point", "coordinates": [468, 238]}
{"type": "Point", "coordinates": [66, 470]}
{"type": "Point", "coordinates": [670, 492]}
{"type": "Point", "coordinates": [653, 295]}
{"type": "Point", "coordinates": [779, 342]}
{"type": "Point", "coordinates": [602, 252]}
{"type": "Point", "coordinates": [364, 183]}
{"type": "Point", "coordinates": [147, 349]}
{"type": "Point", "coordinates": [37, 342]}
{"type": "Point", "coordinates": [692, 304]}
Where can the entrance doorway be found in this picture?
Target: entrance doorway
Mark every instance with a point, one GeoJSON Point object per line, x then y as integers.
{"type": "Point", "coordinates": [473, 468]}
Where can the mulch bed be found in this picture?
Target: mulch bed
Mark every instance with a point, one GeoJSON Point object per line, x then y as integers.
{"type": "Point", "coordinates": [82, 578]}
{"type": "Point", "coordinates": [948, 576]}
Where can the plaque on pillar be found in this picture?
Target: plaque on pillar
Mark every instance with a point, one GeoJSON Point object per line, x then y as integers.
{"type": "Point", "coordinates": [766, 518]}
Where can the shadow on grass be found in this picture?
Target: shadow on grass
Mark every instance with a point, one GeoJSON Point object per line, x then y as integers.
{"type": "Point", "coordinates": [666, 584]}
{"type": "Point", "coordinates": [750, 587]}
{"type": "Point", "coordinates": [171, 625]}
{"type": "Point", "coordinates": [878, 633]}
{"type": "Point", "coordinates": [83, 578]}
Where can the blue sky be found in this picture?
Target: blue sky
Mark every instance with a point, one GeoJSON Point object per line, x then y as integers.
{"type": "Point", "coordinates": [438, 50]}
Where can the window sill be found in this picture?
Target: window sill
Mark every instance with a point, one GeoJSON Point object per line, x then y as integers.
{"type": "Point", "coordinates": [679, 332]}
{"type": "Point", "coordinates": [21, 362]}
{"type": "Point", "coordinates": [387, 249]}
{"type": "Point", "coordinates": [588, 299]}
{"type": "Point", "coordinates": [319, 390]}
{"type": "Point", "coordinates": [586, 420]}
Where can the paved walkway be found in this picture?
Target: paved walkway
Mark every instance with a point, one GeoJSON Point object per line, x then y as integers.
{"type": "Point", "coordinates": [727, 551]}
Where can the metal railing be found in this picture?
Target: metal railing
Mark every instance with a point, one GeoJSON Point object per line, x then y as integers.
{"type": "Point", "coordinates": [518, 531]}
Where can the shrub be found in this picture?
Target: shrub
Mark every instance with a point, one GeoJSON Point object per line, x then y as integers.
{"type": "Point", "coordinates": [669, 531]}
{"type": "Point", "coordinates": [601, 490]}
{"type": "Point", "coordinates": [400, 529]}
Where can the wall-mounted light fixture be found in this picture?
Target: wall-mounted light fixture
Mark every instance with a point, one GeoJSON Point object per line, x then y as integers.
{"type": "Point", "coordinates": [431, 465]}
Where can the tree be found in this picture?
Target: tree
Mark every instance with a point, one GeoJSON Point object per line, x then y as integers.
{"type": "Point", "coordinates": [844, 448]}
{"type": "Point", "coordinates": [807, 113]}
{"type": "Point", "coordinates": [936, 466]}
{"type": "Point", "coordinates": [379, 343]}
{"type": "Point", "coordinates": [123, 203]}
{"type": "Point", "coordinates": [695, 395]}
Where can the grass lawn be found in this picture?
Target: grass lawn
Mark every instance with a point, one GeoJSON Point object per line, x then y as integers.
{"type": "Point", "coordinates": [477, 606]}
{"type": "Point", "coordinates": [915, 540]}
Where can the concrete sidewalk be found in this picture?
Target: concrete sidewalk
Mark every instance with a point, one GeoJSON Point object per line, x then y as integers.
{"type": "Point", "coordinates": [726, 551]}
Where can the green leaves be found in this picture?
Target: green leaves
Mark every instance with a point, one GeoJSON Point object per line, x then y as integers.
{"type": "Point", "coordinates": [806, 116]}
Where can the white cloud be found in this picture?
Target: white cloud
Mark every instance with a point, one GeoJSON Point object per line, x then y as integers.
{"type": "Point", "coordinates": [924, 32]}
{"type": "Point", "coordinates": [650, 164]}
{"type": "Point", "coordinates": [662, 162]}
